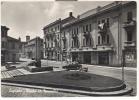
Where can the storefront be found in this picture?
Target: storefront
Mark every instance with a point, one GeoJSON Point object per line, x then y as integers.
{"type": "Point", "coordinates": [103, 58]}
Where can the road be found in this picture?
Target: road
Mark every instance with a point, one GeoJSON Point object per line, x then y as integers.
{"type": "Point", "coordinates": [129, 74]}
{"type": "Point", "coordinates": [129, 77]}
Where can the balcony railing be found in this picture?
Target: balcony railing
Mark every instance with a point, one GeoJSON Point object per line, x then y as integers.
{"type": "Point", "coordinates": [86, 34]}
{"type": "Point", "coordinates": [129, 43]}
{"type": "Point", "coordinates": [129, 26]}
{"type": "Point", "coordinates": [64, 38]}
{"type": "Point", "coordinates": [104, 47]}
{"type": "Point", "coordinates": [102, 28]}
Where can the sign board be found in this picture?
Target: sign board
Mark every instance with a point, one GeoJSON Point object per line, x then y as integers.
{"type": "Point", "coordinates": [129, 57]}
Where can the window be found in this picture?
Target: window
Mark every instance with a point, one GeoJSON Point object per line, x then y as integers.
{"type": "Point", "coordinates": [13, 45]}
{"type": "Point", "coordinates": [72, 43]}
{"type": "Point", "coordinates": [83, 42]}
{"type": "Point", "coordinates": [103, 20]}
{"type": "Point", "coordinates": [87, 28]}
{"type": "Point", "coordinates": [74, 31]}
{"type": "Point", "coordinates": [108, 39]}
{"type": "Point", "coordinates": [98, 39]}
{"type": "Point", "coordinates": [90, 27]}
{"type": "Point", "coordinates": [2, 34]}
{"type": "Point", "coordinates": [3, 45]}
{"type": "Point", "coordinates": [77, 30]}
{"type": "Point", "coordinates": [90, 42]}
{"type": "Point", "coordinates": [129, 16]}
{"type": "Point", "coordinates": [107, 22]}
{"type": "Point", "coordinates": [98, 22]}
{"type": "Point", "coordinates": [103, 39]}
{"type": "Point", "coordinates": [83, 28]}
{"type": "Point", "coordinates": [129, 36]}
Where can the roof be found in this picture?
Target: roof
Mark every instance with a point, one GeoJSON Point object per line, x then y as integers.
{"type": "Point", "coordinates": [53, 23]}
{"type": "Point", "coordinates": [12, 39]}
{"type": "Point", "coordinates": [35, 39]}
{"type": "Point", "coordinates": [97, 11]}
{"type": "Point", "coordinates": [4, 27]}
{"type": "Point", "coordinates": [63, 21]}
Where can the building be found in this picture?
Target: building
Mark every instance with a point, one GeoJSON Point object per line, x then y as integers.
{"type": "Point", "coordinates": [32, 49]}
{"type": "Point", "coordinates": [52, 38]}
{"type": "Point", "coordinates": [103, 36]}
{"type": "Point", "coordinates": [9, 47]}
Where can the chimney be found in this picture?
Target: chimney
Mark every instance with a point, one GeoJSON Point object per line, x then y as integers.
{"type": "Point", "coordinates": [27, 38]}
{"type": "Point", "coordinates": [19, 39]}
{"type": "Point", "coordinates": [70, 14]}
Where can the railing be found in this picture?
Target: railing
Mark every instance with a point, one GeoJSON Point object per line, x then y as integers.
{"type": "Point", "coordinates": [129, 24]}
{"type": "Point", "coordinates": [104, 47]}
{"type": "Point", "coordinates": [86, 34]}
{"type": "Point", "coordinates": [129, 43]}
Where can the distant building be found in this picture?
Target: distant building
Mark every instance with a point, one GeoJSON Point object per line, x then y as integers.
{"type": "Point", "coordinates": [32, 49]}
{"type": "Point", "coordinates": [9, 46]}
{"type": "Point", "coordinates": [52, 38]}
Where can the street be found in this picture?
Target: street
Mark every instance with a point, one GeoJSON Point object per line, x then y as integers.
{"type": "Point", "coordinates": [129, 76]}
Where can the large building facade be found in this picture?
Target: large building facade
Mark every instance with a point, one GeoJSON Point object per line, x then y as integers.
{"type": "Point", "coordinates": [52, 38]}
{"type": "Point", "coordinates": [9, 47]}
{"type": "Point", "coordinates": [103, 36]}
{"type": "Point", "coordinates": [32, 48]}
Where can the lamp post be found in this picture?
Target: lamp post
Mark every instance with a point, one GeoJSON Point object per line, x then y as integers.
{"type": "Point", "coordinates": [123, 65]}
{"type": "Point", "coordinates": [38, 60]}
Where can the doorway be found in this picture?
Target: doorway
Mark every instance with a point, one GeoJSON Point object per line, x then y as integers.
{"type": "Point", "coordinates": [87, 57]}
{"type": "Point", "coordinates": [103, 58]}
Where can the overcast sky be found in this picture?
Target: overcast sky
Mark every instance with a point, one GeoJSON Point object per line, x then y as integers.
{"type": "Point", "coordinates": [29, 18]}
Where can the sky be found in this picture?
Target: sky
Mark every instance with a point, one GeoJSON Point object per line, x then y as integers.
{"type": "Point", "coordinates": [29, 18]}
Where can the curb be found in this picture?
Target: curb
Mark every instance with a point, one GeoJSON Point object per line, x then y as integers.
{"type": "Point", "coordinates": [125, 91]}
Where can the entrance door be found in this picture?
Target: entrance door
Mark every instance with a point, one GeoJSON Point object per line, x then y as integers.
{"type": "Point", "coordinates": [74, 56]}
{"type": "Point", "coordinates": [103, 58]}
{"type": "Point", "coordinates": [87, 57]}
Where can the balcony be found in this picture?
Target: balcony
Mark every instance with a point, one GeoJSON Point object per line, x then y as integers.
{"type": "Point", "coordinates": [64, 49]}
{"type": "Point", "coordinates": [102, 28]}
{"type": "Point", "coordinates": [64, 38]}
{"type": "Point", "coordinates": [104, 47]}
{"type": "Point", "coordinates": [130, 44]}
{"type": "Point", "coordinates": [74, 36]}
{"type": "Point", "coordinates": [129, 26]}
{"type": "Point", "coordinates": [86, 34]}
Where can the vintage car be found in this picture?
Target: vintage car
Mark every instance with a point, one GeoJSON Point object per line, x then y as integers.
{"type": "Point", "coordinates": [72, 66]}
{"type": "Point", "coordinates": [9, 66]}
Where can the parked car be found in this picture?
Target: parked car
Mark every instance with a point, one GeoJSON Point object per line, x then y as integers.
{"type": "Point", "coordinates": [9, 66]}
{"type": "Point", "coordinates": [73, 66]}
